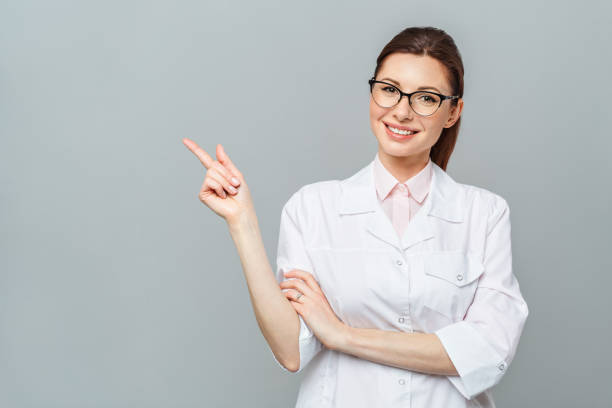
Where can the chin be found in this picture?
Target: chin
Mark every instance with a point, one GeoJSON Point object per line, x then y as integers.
{"type": "Point", "coordinates": [399, 149]}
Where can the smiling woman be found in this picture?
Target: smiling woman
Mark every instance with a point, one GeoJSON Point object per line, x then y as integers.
{"type": "Point", "coordinates": [404, 285]}
{"type": "Point", "coordinates": [393, 287]}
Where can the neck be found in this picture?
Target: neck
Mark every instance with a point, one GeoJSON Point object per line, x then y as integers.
{"type": "Point", "coordinates": [404, 167]}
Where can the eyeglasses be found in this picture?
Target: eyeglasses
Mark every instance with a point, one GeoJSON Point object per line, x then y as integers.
{"type": "Point", "coordinates": [423, 103]}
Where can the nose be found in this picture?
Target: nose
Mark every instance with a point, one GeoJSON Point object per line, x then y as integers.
{"type": "Point", "coordinates": [402, 110]}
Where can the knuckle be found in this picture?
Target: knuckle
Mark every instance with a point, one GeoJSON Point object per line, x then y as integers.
{"type": "Point", "coordinates": [220, 168]}
{"type": "Point", "coordinates": [213, 172]}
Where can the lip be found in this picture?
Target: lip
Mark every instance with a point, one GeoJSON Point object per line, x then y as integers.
{"type": "Point", "coordinates": [400, 127]}
{"type": "Point", "coordinates": [399, 137]}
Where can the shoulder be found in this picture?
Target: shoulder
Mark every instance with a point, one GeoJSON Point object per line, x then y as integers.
{"type": "Point", "coordinates": [313, 198]}
{"type": "Point", "coordinates": [319, 190]}
{"type": "Point", "coordinates": [483, 194]}
{"type": "Point", "coordinates": [487, 203]}
{"type": "Point", "coordinates": [315, 192]}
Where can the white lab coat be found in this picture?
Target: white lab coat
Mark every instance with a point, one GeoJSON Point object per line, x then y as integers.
{"type": "Point", "coordinates": [449, 274]}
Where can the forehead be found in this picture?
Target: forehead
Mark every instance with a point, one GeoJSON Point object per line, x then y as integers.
{"type": "Point", "coordinates": [413, 71]}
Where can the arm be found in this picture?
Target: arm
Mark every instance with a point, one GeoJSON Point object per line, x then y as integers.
{"type": "Point", "coordinates": [421, 352]}
{"type": "Point", "coordinates": [277, 320]}
{"type": "Point", "coordinates": [291, 341]}
{"type": "Point", "coordinates": [484, 343]}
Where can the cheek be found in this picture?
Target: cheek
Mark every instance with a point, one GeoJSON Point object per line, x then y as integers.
{"type": "Point", "coordinates": [434, 127]}
{"type": "Point", "coordinates": [376, 113]}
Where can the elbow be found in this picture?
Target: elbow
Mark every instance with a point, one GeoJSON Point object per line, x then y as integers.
{"type": "Point", "coordinates": [288, 362]}
{"type": "Point", "coordinates": [288, 365]}
{"type": "Point", "coordinates": [293, 366]}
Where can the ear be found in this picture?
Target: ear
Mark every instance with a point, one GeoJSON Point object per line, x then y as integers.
{"type": "Point", "coordinates": [455, 113]}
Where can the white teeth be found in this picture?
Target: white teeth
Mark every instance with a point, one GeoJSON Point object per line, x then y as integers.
{"type": "Point", "coordinates": [401, 132]}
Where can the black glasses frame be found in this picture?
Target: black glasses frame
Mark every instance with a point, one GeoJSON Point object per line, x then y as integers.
{"type": "Point", "coordinates": [442, 97]}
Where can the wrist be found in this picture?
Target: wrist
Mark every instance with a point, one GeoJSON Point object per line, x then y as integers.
{"type": "Point", "coordinates": [241, 222]}
{"type": "Point", "coordinates": [343, 338]}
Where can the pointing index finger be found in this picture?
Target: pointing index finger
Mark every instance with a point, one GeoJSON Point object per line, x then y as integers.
{"type": "Point", "coordinates": [204, 157]}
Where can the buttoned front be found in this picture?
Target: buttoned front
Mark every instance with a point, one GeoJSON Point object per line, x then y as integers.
{"type": "Point", "coordinates": [449, 272]}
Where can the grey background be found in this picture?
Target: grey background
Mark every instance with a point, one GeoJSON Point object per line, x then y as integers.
{"type": "Point", "coordinates": [119, 288]}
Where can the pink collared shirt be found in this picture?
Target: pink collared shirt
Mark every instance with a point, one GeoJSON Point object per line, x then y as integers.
{"type": "Point", "coordinates": [401, 201]}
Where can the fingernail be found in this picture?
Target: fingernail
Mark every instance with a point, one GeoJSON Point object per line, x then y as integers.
{"type": "Point", "coordinates": [232, 189]}
{"type": "Point", "coordinates": [235, 181]}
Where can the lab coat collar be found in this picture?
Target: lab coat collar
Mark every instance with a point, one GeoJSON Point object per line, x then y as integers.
{"type": "Point", "coordinates": [444, 201]}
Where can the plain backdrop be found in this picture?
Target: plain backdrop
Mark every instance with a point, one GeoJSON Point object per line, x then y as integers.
{"type": "Point", "coordinates": [119, 288]}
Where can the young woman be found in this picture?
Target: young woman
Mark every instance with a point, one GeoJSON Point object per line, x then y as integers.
{"type": "Point", "coordinates": [393, 287]}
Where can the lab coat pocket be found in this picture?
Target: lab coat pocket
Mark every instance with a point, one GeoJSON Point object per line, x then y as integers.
{"type": "Point", "coordinates": [451, 279]}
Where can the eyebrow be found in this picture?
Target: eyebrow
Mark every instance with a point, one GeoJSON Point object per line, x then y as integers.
{"type": "Point", "coordinates": [420, 88]}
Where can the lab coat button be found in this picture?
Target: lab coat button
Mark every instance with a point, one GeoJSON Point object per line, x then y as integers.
{"type": "Point", "coordinates": [402, 381]}
{"type": "Point", "coordinates": [501, 366]}
{"type": "Point", "coordinates": [459, 277]}
{"type": "Point", "coordinates": [399, 262]}
{"type": "Point", "coordinates": [401, 320]}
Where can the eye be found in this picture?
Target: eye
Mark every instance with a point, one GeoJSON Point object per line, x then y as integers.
{"type": "Point", "coordinates": [427, 98]}
{"type": "Point", "coordinates": [389, 89]}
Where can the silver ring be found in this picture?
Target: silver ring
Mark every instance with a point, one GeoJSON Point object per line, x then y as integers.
{"type": "Point", "coordinates": [298, 296]}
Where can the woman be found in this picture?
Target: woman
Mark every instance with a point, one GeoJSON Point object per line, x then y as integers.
{"type": "Point", "coordinates": [396, 284]}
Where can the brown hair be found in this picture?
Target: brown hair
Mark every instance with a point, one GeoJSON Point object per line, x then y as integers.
{"type": "Point", "coordinates": [437, 44]}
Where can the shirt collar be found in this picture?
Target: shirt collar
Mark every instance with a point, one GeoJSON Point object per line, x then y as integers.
{"type": "Point", "coordinates": [418, 185]}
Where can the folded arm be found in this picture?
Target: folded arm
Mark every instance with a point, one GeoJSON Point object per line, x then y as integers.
{"type": "Point", "coordinates": [421, 352]}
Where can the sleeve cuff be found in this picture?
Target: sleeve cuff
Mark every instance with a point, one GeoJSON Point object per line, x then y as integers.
{"type": "Point", "coordinates": [309, 347]}
{"type": "Point", "coordinates": [479, 366]}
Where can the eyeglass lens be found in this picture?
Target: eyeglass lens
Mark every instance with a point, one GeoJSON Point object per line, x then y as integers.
{"type": "Point", "coordinates": [423, 103]}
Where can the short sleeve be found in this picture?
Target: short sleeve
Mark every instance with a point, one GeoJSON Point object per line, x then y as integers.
{"type": "Point", "coordinates": [484, 343]}
{"type": "Point", "coordinates": [291, 254]}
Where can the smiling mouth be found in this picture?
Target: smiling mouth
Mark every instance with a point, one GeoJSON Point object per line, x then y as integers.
{"type": "Point", "coordinates": [400, 132]}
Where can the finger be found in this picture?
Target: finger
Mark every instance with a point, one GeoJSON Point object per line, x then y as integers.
{"type": "Point", "coordinates": [306, 277]}
{"type": "Point", "coordinates": [292, 295]}
{"type": "Point", "coordinates": [298, 285]}
{"type": "Point", "coordinates": [298, 306]}
{"type": "Point", "coordinates": [225, 160]}
{"type": "Point", "coordinates": [204, 157]}
{"type": "Point", "coordinates": [212, 172]}
{"type": "Point", "coordinates": [227, 175]}
{"type": "Point", "coordinates": [215, 185]}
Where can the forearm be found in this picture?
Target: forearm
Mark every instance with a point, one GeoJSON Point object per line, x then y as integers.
{"type": "Point", "coordinates": [415, 351]}
{"type": "Point", "coordinates": [277, 320]}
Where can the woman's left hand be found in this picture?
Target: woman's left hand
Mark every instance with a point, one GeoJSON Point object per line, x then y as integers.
{"type": "Point", "coordinates": [314, 307]}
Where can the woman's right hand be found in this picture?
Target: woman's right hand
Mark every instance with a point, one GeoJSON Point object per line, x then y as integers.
{"type": "Point", "coordinates": [216, 191]}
